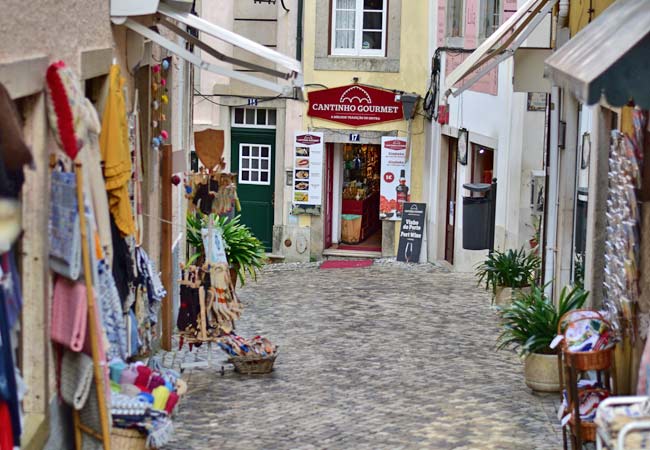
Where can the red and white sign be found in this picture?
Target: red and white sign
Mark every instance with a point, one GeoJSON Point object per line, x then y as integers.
{"type": "Point", "coordinates": [395, 178]}
{"type": "Point", "coordinates": [355, 105]}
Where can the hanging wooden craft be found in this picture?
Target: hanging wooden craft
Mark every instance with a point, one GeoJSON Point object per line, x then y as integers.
{"type": "Point", "coordinates": [209, 147]}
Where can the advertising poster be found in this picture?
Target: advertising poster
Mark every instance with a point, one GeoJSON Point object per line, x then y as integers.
{"type": "Point", "coordinates": [307, 168]}
{"type": "Point", "coordinates": [395, 178]}
{"type": "Point", "coordinates": [411, 232]}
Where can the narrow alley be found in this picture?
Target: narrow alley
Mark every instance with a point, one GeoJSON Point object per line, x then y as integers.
{"type": "Point", "coordinates": [385, 357]}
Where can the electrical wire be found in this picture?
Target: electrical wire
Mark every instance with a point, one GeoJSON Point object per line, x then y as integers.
{"type": "Point", "coordinates": [206, 97]}
{"type": "Point", "coordinates": [430, 104]}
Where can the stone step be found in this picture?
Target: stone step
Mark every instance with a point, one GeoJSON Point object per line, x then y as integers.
{"type": "Point", "coordinates": [336, 254]}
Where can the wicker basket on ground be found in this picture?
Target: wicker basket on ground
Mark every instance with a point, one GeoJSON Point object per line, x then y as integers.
{"type": "Point", "coordinates": [128, 439]}
{"type": "Point", "coordinates": [253, 364]}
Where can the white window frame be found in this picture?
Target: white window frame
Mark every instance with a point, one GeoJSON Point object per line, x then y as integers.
{"type": "Point", "coordinates": [254, 125]}
{"type": "Point", "coordinates": [259, 169]}
{"type": "Point", "coordinates": [462, 19]}
{"type": "Point", "coordinates": [358, 35]}
{"type": "Point", "coordinates": [496, 17]}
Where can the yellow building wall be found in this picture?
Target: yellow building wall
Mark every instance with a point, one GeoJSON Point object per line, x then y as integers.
{"type": "Point", "coordinates": [579, 12]}
{"type": "Point", "coordinates": [412, 77]}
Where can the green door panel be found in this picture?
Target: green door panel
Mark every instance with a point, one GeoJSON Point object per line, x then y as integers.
{"type": "Point", "coordinates": [253, 159]}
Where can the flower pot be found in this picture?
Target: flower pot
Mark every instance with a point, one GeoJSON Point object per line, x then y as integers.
{"type": "Point", "coordinates": [541, 372]}
{"type": "Point", "coordinates": [504, 295]}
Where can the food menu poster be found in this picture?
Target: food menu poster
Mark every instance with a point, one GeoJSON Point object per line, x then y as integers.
{"type": "Point", "coordinates": [393, 161]}
{"type": "Point", "coordinates": [308, 168]}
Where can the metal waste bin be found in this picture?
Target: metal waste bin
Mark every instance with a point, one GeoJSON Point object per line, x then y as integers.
{"type": "Point", "coordinates": [478, 216]}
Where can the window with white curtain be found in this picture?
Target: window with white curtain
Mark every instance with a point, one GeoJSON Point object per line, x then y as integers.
{"type": "Point", "coordinates": [455, 18]}
{"type": "Point", "coordinates": [359, 27]}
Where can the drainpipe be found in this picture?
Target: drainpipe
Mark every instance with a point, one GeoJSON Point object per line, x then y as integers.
{"type": "Point", "coordinates": [552, 195]}
{"type": "Point", "coordinates": [563, 14]}
{"type": "Point", "coordinates": [299, 31]}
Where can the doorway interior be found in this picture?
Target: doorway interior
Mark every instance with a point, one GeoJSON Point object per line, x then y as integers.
{"type": "Point", "coordinates": [355, 224]}
{"type": "Point", "coordinates": [450, 232]}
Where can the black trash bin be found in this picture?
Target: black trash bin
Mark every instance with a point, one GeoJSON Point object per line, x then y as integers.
{"type": "Point", "coordinates": [478, 217]}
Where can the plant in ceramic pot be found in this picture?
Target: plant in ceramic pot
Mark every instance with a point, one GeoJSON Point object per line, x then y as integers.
{"type": "Point", "coordinates": [507, 273]}
{"type": "Point", "coordinates": [529, 324]}
{"type": "Point", "coordinates": [245, 253]}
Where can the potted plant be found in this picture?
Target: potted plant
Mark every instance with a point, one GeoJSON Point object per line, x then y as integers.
{"type": "Point", "coordinates": [507, 273]}
{"type": "Point", "coordinates": [530, 323]}
{"type": "Point", "coordinates": [245, 253]}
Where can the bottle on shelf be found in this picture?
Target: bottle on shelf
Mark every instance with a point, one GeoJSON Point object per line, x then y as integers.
{"type": "Point", "coordinates": [402, 191]}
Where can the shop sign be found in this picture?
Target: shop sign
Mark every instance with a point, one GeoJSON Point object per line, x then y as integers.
{"type": "Point", "coordinates": [307, 168]}
{"type": "Point", "coordinates": [355, 105]}
{"type": "Point", "coordinates": [395, 179]}
{"type": "Point", "coordinates": [411, 232]}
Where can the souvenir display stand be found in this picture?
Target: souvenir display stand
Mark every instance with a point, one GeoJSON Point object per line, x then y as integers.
{"type": "Point", "coordinates": [589, 331]}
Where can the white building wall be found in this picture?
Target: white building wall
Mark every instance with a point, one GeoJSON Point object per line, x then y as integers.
{"type": "Point", "coordinates": [503, 123]}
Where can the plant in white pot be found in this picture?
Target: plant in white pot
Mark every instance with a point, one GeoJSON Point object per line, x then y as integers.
{"type": "Point", "coordinates": [508, 273]}
{"type": "Point", "coordinates": [529, 324]}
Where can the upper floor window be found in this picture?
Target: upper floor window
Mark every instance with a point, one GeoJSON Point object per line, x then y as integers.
{"type": "Point", "coordinates": [455, 18]}
{"type": "Point", "coordinates": [490, 17]}
{"type": "Point", "coordinates": [254, 117]}
{"type": "Point", "coordinates": [359, 27]}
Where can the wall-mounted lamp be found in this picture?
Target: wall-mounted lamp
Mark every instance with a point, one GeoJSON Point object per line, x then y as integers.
{"type": "Point", "coordinates": [463, 145]}
{"type": "Point", "coordinates": [408, 105]}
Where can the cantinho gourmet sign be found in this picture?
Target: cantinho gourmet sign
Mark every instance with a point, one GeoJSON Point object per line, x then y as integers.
{"type": "Point", "coordinates": [355, 105]}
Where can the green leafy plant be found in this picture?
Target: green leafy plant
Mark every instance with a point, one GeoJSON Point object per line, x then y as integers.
{"type": "Point", "coordinates": [245, 253]}
{"type": "Point", "coordinates": [530, 322]}
{"type": "Point", "coordinates": [512, 268]}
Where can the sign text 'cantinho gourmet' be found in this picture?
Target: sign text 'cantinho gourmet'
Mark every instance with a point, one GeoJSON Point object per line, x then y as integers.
{"type": "Point", "coordinates": [355, 105]}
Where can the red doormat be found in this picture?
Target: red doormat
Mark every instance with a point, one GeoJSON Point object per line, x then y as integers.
{"type": "Point", "coordinates": [346, 264]}
{"type": "Point", "coordinates": [359, 248]}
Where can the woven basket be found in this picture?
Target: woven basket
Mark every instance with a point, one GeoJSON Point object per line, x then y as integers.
{"type": "Point", "coordinates": [253, 364]}
{"type": "Point", "coordinates": [128, 439]}
{"type": "Point", "coordinates": [587, 430]}
{"type": "Point", "coordinates": [597, 360]}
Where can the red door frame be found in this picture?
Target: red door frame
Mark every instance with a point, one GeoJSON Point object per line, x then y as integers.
{"type": "Point", "coordinates": [329, 193]}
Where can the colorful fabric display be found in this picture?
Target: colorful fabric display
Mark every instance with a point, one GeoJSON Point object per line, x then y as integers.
{"type": "Point", "coordinates": [142, 381]}
{"type": "Point", "coordinates": [171, 402]}
{"type": "Point", "coordinates": [155, 381]}
{"type": "Point", "coordinates": [160, 396]}
{"type": "Point", "coordinates": [116, 368]}
{"type": "Point", "coordinates": [129, 375]}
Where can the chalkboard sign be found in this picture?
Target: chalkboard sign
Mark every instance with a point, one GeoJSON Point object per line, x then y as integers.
{"type": "Point", "coordinates": [411, 232]}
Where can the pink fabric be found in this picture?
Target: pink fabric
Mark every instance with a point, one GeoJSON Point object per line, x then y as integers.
{"type": "Point", "coordinates": [69, 314]}
{"type": "Point", "coordinates": [129, 375]}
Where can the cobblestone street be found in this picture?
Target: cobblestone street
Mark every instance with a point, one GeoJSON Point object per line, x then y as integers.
{"type": "Point", "coordinates": [385, 357]}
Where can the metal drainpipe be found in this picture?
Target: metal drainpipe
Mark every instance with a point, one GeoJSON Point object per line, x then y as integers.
{"type": "Point", "coordinates": [299, 31]}
{"type": "Point", "coordinates": [550, 228]}
{"type": "Point", "coordinates": [563, 13]}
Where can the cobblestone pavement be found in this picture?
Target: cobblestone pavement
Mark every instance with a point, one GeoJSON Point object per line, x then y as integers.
{"type": "Point", "coordinates": [386, 357]}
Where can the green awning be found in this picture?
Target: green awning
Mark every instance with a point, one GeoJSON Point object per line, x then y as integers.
{"type": "Point", "coordinates": [610, 57]}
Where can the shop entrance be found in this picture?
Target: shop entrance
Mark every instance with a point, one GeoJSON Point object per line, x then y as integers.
{"type": "Point", "coordinates": [355, 224]}
{"type": "Point", "coordinates": [253, 159]}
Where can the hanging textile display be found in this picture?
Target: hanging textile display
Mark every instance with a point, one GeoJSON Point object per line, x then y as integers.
{"type": "Point", "coordinates": [116, 153]}
{"type": "Point", "coordinates": [14, 155]}
{"type": "Point", "coordinates": [621, 280]}
{"type": "Point", "coordinates": [212, 192]}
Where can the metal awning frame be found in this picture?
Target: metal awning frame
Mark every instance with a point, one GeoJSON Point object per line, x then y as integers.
{"type": "Point", "coordinates": [230, 37]}
{"type": "Point", "coordinates": [484, 59]}
{"type": "Point", "coordinates": [196, 60]}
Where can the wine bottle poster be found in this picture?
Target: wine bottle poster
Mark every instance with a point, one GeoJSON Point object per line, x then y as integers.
{"type": "Point", "coordinates": [395, 178]}
{"type": "Point", "coordinates": [307, 168]}
{"type": "Point", "coordinates": [411, 232]}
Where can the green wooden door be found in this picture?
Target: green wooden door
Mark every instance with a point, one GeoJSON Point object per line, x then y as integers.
{"type": "Point", "coordinates": [253, 159]}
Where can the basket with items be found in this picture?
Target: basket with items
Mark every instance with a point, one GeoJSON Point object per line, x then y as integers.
{"type": "Point", "coordinates": [249, 356]}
